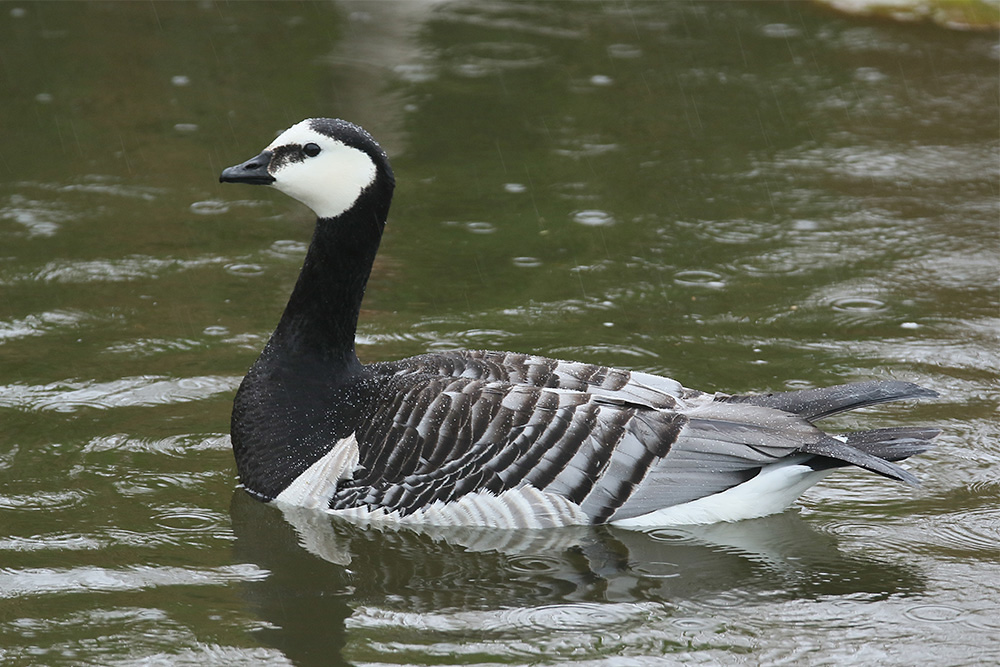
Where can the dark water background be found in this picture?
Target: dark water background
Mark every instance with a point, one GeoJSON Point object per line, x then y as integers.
{"type": "Point", "coordinates": [742, 196]}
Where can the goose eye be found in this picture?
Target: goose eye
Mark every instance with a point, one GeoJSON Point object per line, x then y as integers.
{"type": "Point", "coordinates": [311, 150]}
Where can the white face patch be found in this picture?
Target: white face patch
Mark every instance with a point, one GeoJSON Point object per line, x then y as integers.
{"type": "Point", "coordinates": [328, 183]}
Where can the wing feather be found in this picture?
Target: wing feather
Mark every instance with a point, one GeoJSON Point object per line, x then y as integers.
{"type": "Point", "coordinates": [476, 430]}
{"type": "Point", "coordinates": [613, 444]}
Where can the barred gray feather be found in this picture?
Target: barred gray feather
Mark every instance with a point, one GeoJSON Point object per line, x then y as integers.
{"type": "Point", "coordinates": [617, 444]}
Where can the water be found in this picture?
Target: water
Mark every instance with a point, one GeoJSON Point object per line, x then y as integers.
{"type": "Point", "coordinates": [742, 196]}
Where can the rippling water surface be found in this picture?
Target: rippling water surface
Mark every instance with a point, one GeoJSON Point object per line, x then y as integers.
{"type": "Point", "coordinates": [744, 197]}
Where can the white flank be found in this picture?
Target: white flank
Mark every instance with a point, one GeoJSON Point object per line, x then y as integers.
{"type": "Point", "coordinates": [315, 487]}
{"type": "Point", "coordinates": [328, 183]}
{"type": "Point", "coordinates": [524, 507]}
{"type": "Point", "coordinates": [771, 491]}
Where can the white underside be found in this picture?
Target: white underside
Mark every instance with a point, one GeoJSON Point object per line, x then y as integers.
{"type": "Point", "coordinates": [771, 491]}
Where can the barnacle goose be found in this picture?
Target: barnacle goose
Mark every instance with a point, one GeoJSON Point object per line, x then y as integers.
{"type": "Point", "coordinates": [484, 438]}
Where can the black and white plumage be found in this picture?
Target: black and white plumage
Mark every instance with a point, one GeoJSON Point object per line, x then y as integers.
{"type": "Point", "coordinates": [497, 438]}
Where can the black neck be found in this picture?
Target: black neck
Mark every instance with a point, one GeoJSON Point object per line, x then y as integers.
{"type": "Point", "coordinates": [321, 317]}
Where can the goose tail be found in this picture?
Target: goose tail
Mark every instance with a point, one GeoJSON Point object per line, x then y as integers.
{"type": "Point", "coordinates": [876, 450]}
{"type": "Point", "coordinates": [815, 404]}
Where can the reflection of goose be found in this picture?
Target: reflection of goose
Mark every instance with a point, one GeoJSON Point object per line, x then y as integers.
{"type": "Point", "coordinates": [401, 578]}
{"type": "Point", "coordinates": [494, 438]}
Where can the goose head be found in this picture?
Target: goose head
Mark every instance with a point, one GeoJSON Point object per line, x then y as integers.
{"type": "Point", "coordinates": [327, 164]}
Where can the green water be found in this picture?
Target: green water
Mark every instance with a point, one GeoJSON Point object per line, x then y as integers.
{"type": "Point", "coordinates": [746, 197]}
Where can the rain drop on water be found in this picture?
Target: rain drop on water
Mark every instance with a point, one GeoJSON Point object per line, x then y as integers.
{"type": "Point", "coordinates": [593, 218]}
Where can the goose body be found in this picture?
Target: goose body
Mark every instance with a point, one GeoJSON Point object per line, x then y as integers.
{"type": "Point", "coordinates": [485, 438]}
